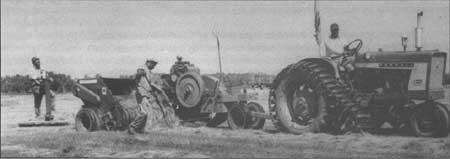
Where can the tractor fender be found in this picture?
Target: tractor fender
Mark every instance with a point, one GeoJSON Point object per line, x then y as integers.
{"type": "Point", "coordinates": [325, 61]}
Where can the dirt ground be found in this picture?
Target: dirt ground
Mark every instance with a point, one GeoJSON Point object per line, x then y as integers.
{"type": "Point", "coordinates": [200, 142]}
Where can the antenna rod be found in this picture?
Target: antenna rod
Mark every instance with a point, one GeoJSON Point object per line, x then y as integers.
{"type": "Point", "coordinates": [220, 58]}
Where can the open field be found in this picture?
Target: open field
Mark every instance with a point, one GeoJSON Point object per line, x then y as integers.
{"type": "Point", "coordinates": [193, 142]}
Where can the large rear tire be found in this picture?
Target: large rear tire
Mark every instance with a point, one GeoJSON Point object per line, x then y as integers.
{"type": "Point", "coordinates": [430, 120]}
{"type": "Point", "coordinates": [308, 98]}
{"type": "Point", "coordinates": [189, 89]}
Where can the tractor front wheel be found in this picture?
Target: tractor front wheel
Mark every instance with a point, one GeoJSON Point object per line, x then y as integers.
{"type": "Point", "coordinates": [430, 120]}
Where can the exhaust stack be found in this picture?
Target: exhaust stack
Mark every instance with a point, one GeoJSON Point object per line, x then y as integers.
{"type": "Point", "coordinates": [418, 31]}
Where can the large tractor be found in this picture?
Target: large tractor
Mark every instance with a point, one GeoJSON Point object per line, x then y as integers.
{"type": "Point", "coordinates": [338, 94]}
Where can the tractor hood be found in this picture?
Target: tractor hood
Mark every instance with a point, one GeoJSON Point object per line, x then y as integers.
{"type": "Point", "coordinates": [399, 56]}
{"type": "Point", "coordinates": [425, 70]}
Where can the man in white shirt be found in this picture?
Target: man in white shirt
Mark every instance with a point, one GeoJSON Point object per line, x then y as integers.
{"type": "Point", "coordinates": [41, 87]}
{"type": "Point", "coordinates": [334, 45]}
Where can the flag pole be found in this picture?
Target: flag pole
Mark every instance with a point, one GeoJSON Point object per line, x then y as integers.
{"type": "Point", "coordinates": [317, 33]}
{"type": "Point", "coordinates": [220, 58]}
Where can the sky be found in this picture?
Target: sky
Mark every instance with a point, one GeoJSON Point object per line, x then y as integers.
{"type": "Point", "coordinates": [114, 38]}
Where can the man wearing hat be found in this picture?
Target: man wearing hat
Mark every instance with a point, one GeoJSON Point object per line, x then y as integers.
{"type": "Point", "coordinates": [153, 108]}
{"type": "Point", "coordinates": [41, 87]}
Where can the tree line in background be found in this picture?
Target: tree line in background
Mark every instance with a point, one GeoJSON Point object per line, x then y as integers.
{"type": "Point", "coordinates": [232, 79]}
{"type": "Point", "coordinates": [250, 79]}
{"type": "Point", "coordinates": [22, 83]}
{"type": "Point", "coordinates": [64, 83]}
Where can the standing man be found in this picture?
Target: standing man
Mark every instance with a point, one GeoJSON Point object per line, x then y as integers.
{"type": "Point", "coordinates": [40, 87]}
{"type": "Point", "coordinates": [154, 110]}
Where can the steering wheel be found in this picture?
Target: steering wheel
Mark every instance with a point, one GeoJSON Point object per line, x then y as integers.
{"type": "Point", "coordinates": [354, 50]}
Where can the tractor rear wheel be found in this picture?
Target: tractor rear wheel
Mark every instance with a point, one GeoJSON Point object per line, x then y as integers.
{"type": "Point", "coordinates": [87, 119]}
{"type": "Point", "coordinates": [430, 120]}
{"type": "Point", "coordinates": [189, 90]}
{"type": "Point", "coordinates": [308, 98]}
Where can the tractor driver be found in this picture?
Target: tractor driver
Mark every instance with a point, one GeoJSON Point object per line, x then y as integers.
{"type": "Point", "coordinates": [334, 46]}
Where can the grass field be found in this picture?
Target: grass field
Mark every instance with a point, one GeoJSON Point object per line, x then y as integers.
{"type": "Point", "coordinates": [194, 142]}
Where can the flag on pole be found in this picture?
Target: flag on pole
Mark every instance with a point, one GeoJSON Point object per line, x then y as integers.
{"type": "Point", "coordinates": [317, 34]}
{"type": "Point", "coordinates": [317, 23]}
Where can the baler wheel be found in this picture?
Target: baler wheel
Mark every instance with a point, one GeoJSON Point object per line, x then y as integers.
{"type": "Point", "coordinates": [237, 117]}
{"type": "Point", "coordinates": [87, 119]}
{"type": "Point", "coordinates": [254, 122]}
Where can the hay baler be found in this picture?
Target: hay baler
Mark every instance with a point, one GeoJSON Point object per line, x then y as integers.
{"type": "Point", "coordinates": [108, 103]}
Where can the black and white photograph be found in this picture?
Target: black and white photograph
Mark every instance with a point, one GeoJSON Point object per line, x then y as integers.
{"type": "Point", "coordinates": [225, 79]}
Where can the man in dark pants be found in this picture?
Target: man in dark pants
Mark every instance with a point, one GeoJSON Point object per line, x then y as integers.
{"type": "Point", "coordinates": [153, 112]}
{"type": "Point", "coordinates": [41, 87]}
